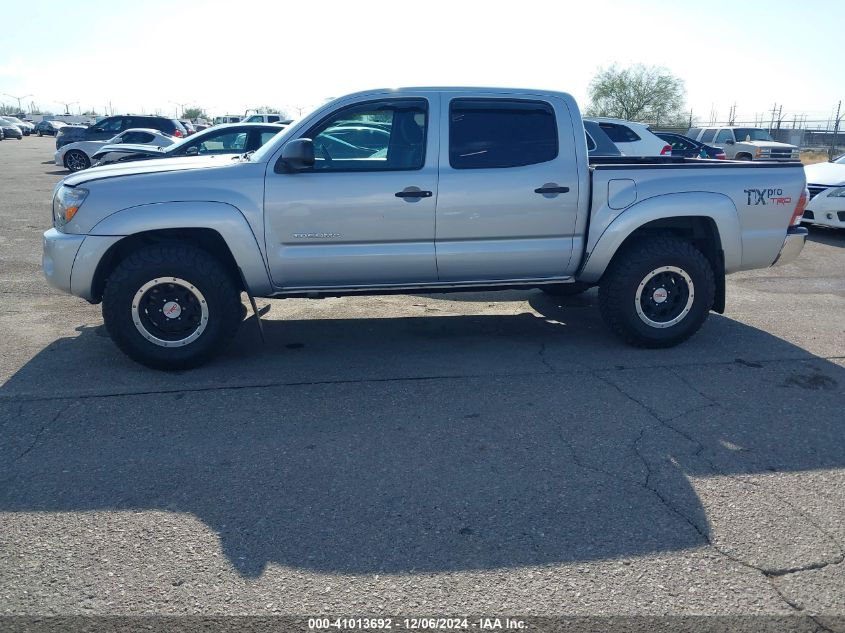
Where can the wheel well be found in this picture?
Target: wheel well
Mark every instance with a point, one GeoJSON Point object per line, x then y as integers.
{"type": "Point", "coordinates": [738, 154]}
{"type": "Point", "coordinates": [701, 232]}
{"type": "Point", "coordinates": [208, 240]}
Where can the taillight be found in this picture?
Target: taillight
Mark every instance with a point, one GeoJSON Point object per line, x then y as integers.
{"type": "Point", "coordinates": [799, 208]}
{"type": "Point", "coordinates": [721, 156]}
{"type": "Point", "coordinates": [177, 133]}
{"type": "Point", "coordinates": [666, 151]}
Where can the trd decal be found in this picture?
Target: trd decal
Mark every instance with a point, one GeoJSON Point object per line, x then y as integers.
{"type": "Point", "coordinates": [760, 196]}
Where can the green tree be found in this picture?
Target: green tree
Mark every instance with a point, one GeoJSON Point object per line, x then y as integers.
{"type": "Point", "coordinates": [650, 94]}
{"type": "Point", "coordinates": [194, 113]}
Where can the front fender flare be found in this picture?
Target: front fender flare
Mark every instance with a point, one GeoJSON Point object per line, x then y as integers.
{"type": "Point", "coordinates": [715, 206]}
{"type": "Point", "coordinates": [224, 218]}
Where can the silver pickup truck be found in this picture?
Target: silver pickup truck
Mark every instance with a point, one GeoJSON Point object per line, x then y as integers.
{"type": "Point", "coordinates": [419, 189]}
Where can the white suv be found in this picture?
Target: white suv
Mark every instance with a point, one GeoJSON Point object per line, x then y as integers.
{"type": "Point", "coordinates": [633, 139]}
{"type": "Point", "coordinates": [265, 117]}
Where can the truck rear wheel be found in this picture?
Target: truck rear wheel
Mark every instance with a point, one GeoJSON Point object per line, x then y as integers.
{"type": "Point", "coordinates": [171, 306]}
{"type": "Point", "coordinates": [658, 292]}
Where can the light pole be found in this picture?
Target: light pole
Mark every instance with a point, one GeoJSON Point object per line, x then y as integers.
{"type": "Point", "coordinates": [182, 106]}
{"type": "Point", "coordinates": [18, 98]}
{"type": "Point", "coordinates": [67, 105]}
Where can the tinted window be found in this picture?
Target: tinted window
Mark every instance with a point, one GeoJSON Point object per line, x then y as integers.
{"type": "Point", "coordinates": [693, 132]}
{"type": "Point", "coordinates": [619, 133]}
{"type": "Point", "coordinates": [266, 136]}
{"type": "Point", "coordinates": [591, 144]}
{"type": "Point", "coordinates": [224, 142]}
{"type": "Point", "coordinates": [485, 133]}
{"type": "Point", "coordinates": [725, 135]}
{"type": "Point", "coordinates": [399, 145]}
{"type": "Point", "coordinates": [678, 143]}
{"type": "Point", "coordinates": [708, 135]}
{"type": "Point", "coordinates": [137, 137]}
{"type": "Point", "coordinates": [110, 125]}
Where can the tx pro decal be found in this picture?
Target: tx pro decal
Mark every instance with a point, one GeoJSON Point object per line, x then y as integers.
{"type": "Point", "coordinates": [760, 196]}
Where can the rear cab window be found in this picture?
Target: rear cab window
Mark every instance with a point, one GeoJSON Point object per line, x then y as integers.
{"type": "Point", "coordinates": [725, 135]}
{"type": "Point", "coordinates": [493, 133]}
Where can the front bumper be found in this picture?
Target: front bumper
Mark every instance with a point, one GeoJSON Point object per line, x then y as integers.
{"type": "Point", "coordinates": [60, 250]}
{"type": "Point", "coordinates": [796, 236]}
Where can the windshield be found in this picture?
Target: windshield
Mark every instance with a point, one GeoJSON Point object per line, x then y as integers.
{"type": "Point", "coordinates": [840, 160]}
{"type": "Point", "coordinates": [756, 134]}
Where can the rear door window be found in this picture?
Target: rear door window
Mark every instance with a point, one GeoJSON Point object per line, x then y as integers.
{"type": "Point", "coordinates": [725, 135]}
{"type": "Point", "coordinates": [490, 133]}
{"type": "Point", "coordinates": [619, 133]}
{"type": "Point", "coordinates": [708, 135]}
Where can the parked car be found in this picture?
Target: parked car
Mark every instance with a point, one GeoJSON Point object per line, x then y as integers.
{"type": "Point", "coordinates": [227, 118]}
{"type": "Point", "coordinates": [77, 156]}
{"type": "Point", "coordinates": [598, 142]}
{"type": "Point", "coordinates": [746, 143]}
{"type": "Point", "coordinates": [265, 117]}
{"type": "Point", "coordinates": [235, 138]}
{"type": "Point", "coordinates": [499, 197]}
{"type": "Point", "coordinates": [826, 183]}
{"type": "Point", "coordinates": [632, 139]}
{"type": "Point", "coordinates": [189, 127]}
{"type": "Point", "coordinates": [51, 128]}
{"type": "Point", "coordinates": [108, 127]}
{"type": "Point", "coordinates": [25, 126]}
{"type": "Point", "coordinates": [688, 148]}
{"type": "Point", "coordinates": [10, 130]}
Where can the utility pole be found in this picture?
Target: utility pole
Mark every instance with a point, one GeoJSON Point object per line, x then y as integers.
{"type": "Point", "coordinates": [772, 122]}
{"type": "Point", "coordinates": [67, 105]}
{"type": "Point", "coordinates": [835, 132]}
{"type": "Point", "coordinates": [182, 106]}
{"type": "Point", "coordinates": [780, 112]}
{"type": "Point", "coordinates": [18, 98]}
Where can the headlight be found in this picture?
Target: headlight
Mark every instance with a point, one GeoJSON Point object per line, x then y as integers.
{"type": "Point", "coordinates": [66, 203]}
{"type": "Point", "coordinates": [838, 192]}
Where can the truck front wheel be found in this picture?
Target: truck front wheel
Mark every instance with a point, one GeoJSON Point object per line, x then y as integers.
{"type": "Point", "coordinates": [658, 292]}
{"type": "Point", "coordinates": [171, 306]}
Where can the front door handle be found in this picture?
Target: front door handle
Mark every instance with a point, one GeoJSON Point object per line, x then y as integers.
{"type": "Point", "coordinates": [551, 188]}
{"type": "Point", "coordinates": [413, 193]}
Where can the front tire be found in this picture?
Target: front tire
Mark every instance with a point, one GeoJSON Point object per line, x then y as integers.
{"type": "Point", "coordinates": [171, 306]}
{"type": "Point", "coordinates": [658, 292]}
{"type": "Point", "coordinates": [76, 160]}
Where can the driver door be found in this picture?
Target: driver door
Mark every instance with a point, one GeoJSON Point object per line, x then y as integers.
{"type": "Point", "coordinates": [363, 215]}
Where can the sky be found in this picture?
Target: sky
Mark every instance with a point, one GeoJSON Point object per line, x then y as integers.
{"type": "Point", "coordinates": [226, 56]}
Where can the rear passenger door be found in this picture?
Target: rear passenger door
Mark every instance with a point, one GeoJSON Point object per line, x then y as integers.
{"type": "Point", "coordinates": [508, 188]}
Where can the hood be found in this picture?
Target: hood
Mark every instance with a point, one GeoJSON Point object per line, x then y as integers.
{"type": "Point", "coordinates": [128, 148]}
{"type": "Point", "coordinates": [149, 167]}
{"type": "Point", "coordinates": [772, 144]}
{"type": "Point", "coordinates": [825, 174]}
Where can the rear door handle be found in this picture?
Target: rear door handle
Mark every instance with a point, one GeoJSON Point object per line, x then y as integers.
{"type": "Point", "coordinates": [551, 189]}
{"type": "Point", "coordinates": [413, 194]}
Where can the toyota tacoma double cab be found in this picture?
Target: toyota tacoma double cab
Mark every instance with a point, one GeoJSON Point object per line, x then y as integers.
{"type": "Point", "coordinates": [450, 189]}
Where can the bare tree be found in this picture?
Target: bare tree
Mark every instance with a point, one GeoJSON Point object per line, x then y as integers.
{"type": "Point", "coordinates": [649, 94]}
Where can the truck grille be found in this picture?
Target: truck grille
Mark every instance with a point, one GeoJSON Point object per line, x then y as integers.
{"type": "Point", "coordinates": [815, 190]}
{"type": "Point", "coordinates": [781, 153]}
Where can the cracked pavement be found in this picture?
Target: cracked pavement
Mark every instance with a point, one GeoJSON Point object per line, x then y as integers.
{"type": "Point", "coordinates": [465, 453]}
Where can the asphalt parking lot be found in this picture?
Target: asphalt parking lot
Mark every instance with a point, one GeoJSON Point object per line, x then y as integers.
{"type": "Point", "coordinates": [411, 455]}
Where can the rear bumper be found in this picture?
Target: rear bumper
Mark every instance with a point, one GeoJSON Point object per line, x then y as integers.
{"type": "Point", "coordinates": [796, 236]}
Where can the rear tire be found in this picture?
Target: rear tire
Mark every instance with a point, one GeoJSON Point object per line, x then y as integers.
{"type": "Point", "coordinates": [148, 295]}
{"type": "Point", "coordinates": [39, 133]}
{"type": "Point", "coordinates": [658, 292]}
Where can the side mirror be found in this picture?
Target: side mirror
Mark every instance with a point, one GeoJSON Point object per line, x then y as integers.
{"type": "Point", "coordinates": [118, 139]}
{"type": "Point", "coordinates": [729, 142]}
{"type": "Point", "coordinates": [296, 156]}
{"type": "Point", "coordinates": [192, 151]}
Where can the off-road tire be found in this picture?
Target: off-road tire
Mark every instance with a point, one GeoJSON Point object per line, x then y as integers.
{"type": "Point", "coordinates": [565, 290]}
{"type": "Point", "coordinates": [215, 283]}
{"type": "Point", "coordinates": [621, 285]}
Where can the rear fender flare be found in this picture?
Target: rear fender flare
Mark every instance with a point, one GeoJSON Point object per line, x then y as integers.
{"type": "Point", "coordinates": [715, 206]}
